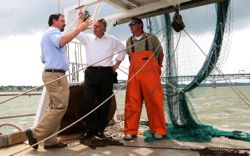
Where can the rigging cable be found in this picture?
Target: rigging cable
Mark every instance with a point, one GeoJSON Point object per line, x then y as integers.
{"type": "Point", "coordinates": [232, 86]}
{"type": "Point", "coordinates": [58, 6]}
{"type": "Point", "coordinates": [149, 24]}
{"type": "Point", "coordinates": [97, 106]}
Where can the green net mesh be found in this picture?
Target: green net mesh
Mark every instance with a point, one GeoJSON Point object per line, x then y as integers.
{"type": "Point", "coordinates": [201, 133]}
{"type": "Point", "coordinates": [184, 124]}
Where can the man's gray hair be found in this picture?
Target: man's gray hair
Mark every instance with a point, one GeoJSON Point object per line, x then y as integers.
{"type": "Point", "coordinates": [103, 21]}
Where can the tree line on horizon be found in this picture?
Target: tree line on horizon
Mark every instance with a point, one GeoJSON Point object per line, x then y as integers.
{"type": "Point", "coordinates": [11, 88]}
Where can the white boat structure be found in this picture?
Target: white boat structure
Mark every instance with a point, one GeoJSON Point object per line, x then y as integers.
{"type": "Point", "coordinates": [14, 144]}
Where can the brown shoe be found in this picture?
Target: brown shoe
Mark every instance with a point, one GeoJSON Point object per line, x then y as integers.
{"type": "Point", "coordinates": [93, 142]}
{"type": "Point", "coordinates": [58, 145]}
{"type": "Point", "coordinates": [31, 139]}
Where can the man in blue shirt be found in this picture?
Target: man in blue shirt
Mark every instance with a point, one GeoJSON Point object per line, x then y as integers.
{"type": "Point", "coordinates": [56, 64]}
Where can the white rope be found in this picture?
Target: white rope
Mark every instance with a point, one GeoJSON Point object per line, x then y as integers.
{"type": "Point", "coordinates": [123, 71]}
{"type": "Point", "coordinates": [139, 70]}
{"type": "Point", "coordinates": [71, 73]}
{"type": "Point", "coordinates": [121, 87]}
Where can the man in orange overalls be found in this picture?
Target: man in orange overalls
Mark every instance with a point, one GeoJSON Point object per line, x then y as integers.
{"type": "Point", "coordinates": [146, 56]}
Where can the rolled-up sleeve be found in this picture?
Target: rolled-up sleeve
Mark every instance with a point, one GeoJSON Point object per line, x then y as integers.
{"type": "Point", "coordinates": [120, 48]}
{"type": "Point", "coordinates": [55, 38]}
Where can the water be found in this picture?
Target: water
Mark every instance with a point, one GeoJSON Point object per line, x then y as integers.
{"type": "Point", "coordinates": [222, 108]}
{"type": "Point", "coordinates": [18, 106]}
{"type": "Point", "coordinates": [219, 107]}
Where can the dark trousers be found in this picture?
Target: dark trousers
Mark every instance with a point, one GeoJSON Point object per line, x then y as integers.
{"type": "Point", "coordinates": [98, 86]}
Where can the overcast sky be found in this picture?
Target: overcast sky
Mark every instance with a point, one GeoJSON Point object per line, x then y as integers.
{"type": "Point", "coordinates": [23, 21]}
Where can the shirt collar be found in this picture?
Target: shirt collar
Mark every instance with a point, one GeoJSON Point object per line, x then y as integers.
{"type": "Point", "coordinates": [103, 37]}
{"type": "Point", "coordinates": [144, 35]}
{"type": "Point", "coordinates": [52, 27]}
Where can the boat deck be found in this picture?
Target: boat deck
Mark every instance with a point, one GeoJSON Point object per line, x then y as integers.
{"type": "Point", "coordinates": [138, 147]}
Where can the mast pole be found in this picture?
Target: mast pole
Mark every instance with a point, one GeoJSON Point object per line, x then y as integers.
{"type": "Point", "coordinates": [58, 6]}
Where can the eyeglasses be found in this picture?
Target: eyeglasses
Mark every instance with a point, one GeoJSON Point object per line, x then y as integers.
{"type": "Point", "coordinates": [133, 23]}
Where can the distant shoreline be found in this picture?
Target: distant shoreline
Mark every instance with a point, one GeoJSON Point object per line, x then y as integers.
{"type": "Point", "coordinates": [16, 89]}
{"type": "Point", "coordinates": [218, 84]}
{"type": "Point", "coordinates": [117, 86]}
{"type": "Point", "coordinates": [14, 93]}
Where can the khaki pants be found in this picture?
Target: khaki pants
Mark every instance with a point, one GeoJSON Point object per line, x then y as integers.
{"type": "Point", "coordinates": [59, 95]}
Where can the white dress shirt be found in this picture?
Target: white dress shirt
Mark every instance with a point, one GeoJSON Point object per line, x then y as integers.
{"type": "Point", "coordinates": [99, 51]}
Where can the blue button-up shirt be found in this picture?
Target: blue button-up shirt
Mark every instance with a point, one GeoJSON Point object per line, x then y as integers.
{"type": "Point", "coordinates": [53, 55]}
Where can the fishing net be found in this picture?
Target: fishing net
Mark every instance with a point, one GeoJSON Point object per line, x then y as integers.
{"type": "Point", "coordinates": [185, 125]}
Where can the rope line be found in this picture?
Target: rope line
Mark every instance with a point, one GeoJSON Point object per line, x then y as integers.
{"type": "Point", "coordinates": [17, 116]}
{"type": "Point", "coordinates": [70, 73]}
{"type": "Point", "coordinates": [58, 6]}
{"type": "Point", "coordinates": [241, 95]}
{"type": "Point", "coordinates": [121, 87]}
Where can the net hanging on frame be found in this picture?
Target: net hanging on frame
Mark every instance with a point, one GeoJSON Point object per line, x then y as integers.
{"type": "Point", "coordinates": [185, 125]}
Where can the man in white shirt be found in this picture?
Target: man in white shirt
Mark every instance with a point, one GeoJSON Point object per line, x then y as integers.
{"type": "Point", "coordinates": [98, 83]}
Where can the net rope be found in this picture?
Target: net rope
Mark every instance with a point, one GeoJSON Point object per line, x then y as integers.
{"type": "Point", "coordinates": [184, 124]}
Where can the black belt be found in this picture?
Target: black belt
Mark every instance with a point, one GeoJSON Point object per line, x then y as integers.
{"type": "Point", "coordinates": [99, 67]}
{"type": "Point", "coordinates": [55, 70]}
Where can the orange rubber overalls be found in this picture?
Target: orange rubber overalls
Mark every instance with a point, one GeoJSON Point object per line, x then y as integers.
{"type": "Point", "coordinates": [146, 85]}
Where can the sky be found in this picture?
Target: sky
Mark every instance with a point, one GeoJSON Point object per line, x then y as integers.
{"type": "Point", "coordinates": [23, 22]}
